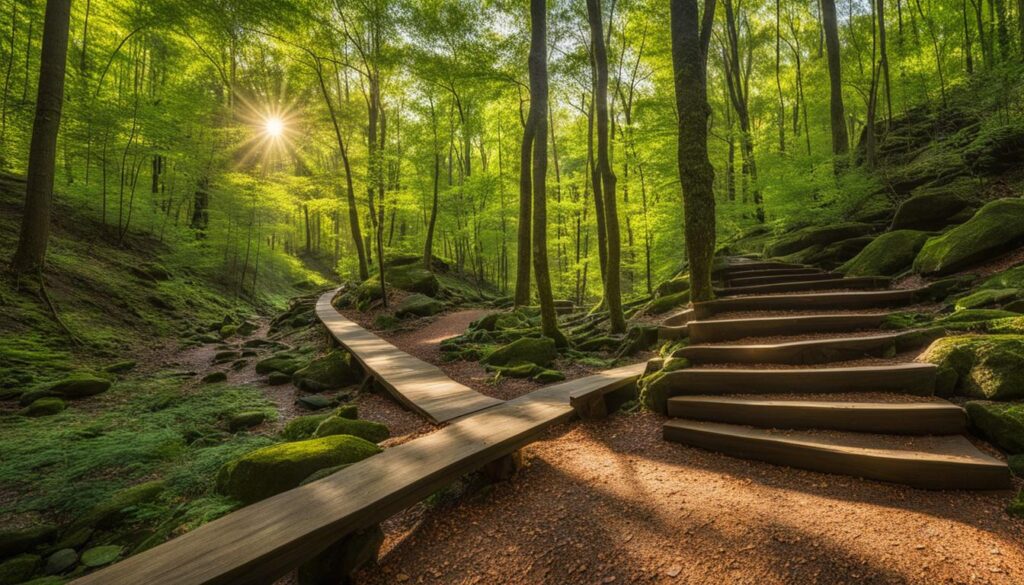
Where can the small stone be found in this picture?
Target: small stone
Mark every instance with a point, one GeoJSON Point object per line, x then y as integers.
{"type": "Point", "coordinates": [61, 561]}
{"type": "Point", "coordinates": [314, 402]}
{"type": "Point", "coordinates": [214, 378]}
{"type": "Point", "coordinates": [101, 555]}
{"type": "Point", "coordinates": [278, 378]}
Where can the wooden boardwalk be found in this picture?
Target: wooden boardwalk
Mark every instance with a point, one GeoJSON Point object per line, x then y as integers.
{"type": "Point", "coordinates": [420, 386]}
{"type": "Point", "coordinates": [264, 541]}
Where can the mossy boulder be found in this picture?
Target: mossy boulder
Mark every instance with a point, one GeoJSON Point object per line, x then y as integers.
{"type": "Point", "coordinates": [536, 350]}
{"type": "Point", "coordinates": [987, 298]}
{"type": "Point", "coordinates": [485, 323]}
{"type": "Point", "coordinates": [19, 569]}
{"type": "Point", "coordinates": [214, 378]}
{"type": "Point", "coordinates": [303, 427]}
{"type": "Point", "coordinates": [666, 303]}
{"type": "Point", "coordinates": [80, 386]}
{"type": "Point", "coordinates": [995, 228]}
{"type": "Point", "coordinates": [996, 149]}
{"type": "Point", "coordinates": [1000, 423]}
{"type": "Point", "coordinates": [933, 208]}
{"type": "Point", "coordinates": [278, 378]}
{"type": "Point", "coordinates": [548, 376]}
{"type": "Point", "coordinates": [412, 278]}
{"type": "Point", "coordinates": [418, 305]}
{"type": "Point", "coordinates": [18, 540]}
{"type": "Point", "coordinates": [887, 255]}
{"type": "Point", "coordinates": [284, 362]}
{"type": "Point", "coordinates": [44, 407]}
{"type": "Point", "coordinates": [100, 556]}
{"type": "Point", "coordinates": [278, 468]}
{"type": "Point", "coordinates": [833, 255]}
{"type": "Point", "coordinates": [314, 402]}
{"type": "Point", "coordinates": [979, 366]}
{"type": "Point", "coordinates": [520, 370]}
{"type": "Point", "coordinates": [673, 286]}
{"type": "Point", "coordinates": [364, 429]}
{"type": "Point", "coordinates": [336, 369]}
{"type": "Point", "coordinates": [1012, 278]}
{"type": "Point", "coordinates": [245, 420]}
{"type": "Point", "coordinates": [655, 386]}
{"type": "Point", "coordinates": [61, 561]}
{"type": "Point", "coordinates": [815, 236]}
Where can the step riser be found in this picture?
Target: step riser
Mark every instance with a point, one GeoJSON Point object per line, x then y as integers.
{"type": "Point", "coordinates": [916, 381]}
{"type": "Point", "coordinates": [816, 353]}
{"type": "Point", "coordinates": [765, 272]}
{"type": "Point", "coordinates": [823, 302]}
{"type": "Point", "coordinates": [710, 331]}
{"type": "Point", "coordinates": [920, 474]}
{"type": "Point", "coordinates": [782, 279]}
{"type": "Point", "coordinates": [802, 286]}
{"type": "Point", "coordinates": [941, 420]}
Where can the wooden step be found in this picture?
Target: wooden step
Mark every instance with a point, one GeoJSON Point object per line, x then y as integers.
{"type": "Point", "coordinates": [947, 462]}
{"type": "Point", "coordinates": [811, 351]}
{"type": "Point", "coordinates": [765, 272]}
{"type": "Point", "coordinates": [861, 282]}
{"type": "Point", "coordinates": [778, 278]}
{"type": "Point", "coordinates": [913, 378]}
{"type": "Point", "coordinates": [811, 301]}
{"type": "Point", "coordinates": [914, 418]}
{"type": "Point", "coordinates": [730, 329]}
{"type": "Point", "coordinates": [730, 269]}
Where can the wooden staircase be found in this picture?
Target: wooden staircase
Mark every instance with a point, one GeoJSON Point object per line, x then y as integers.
{"type": "Point", "coordinates": [808, 379]}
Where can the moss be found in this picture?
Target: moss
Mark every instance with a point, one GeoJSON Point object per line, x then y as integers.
{"type": "Point", "coordinates": [80, 385]}
{"type": "Point", "coordinates": [536, 350]}
{"type": "Point", "coordinates": [935, 207]}
{"type": "Point", "coordinates": [1016, 507]}
{"type": "Point", "coordinates": [485, 323]}
{"type": "Point", "coordinates": [284, 362]}
{"type": "Point", "coordinates": [278, 378]}
{"type": "Point", "coordinates": [815, 236]}
{"type": "Point", "coordinates": [549, 376]}
{"type": "Point", "coordinates": [214, 378]}
{"type": "Point", "coordinates": [245, 420]}
{"type": "Point", "coordinates": [888, 255]}
{"type": "Point", "coordinates": [519, 370]}
{"type": "Point", "coordinates": [18, 569]}
{"type": "Point", "coordinates": [336, 369]}
{"type": "Point", "coordinates": [1016, 464]}
{"type": "Point", "coordinates": [272, 470]}
{"type": "Point", "coordinates": [996, 227]}
{"type": "Point", "coordinates": [18, 540]}
{"type": "Point", "coordinates": [120, 367]}
{"type": "Point", "coordinates": [1012, 278]}
{"type": "Point", "coordinates": [1000, 423]}
{"type": "Point", "coordinates": [364, 429]}
{"type": "Point", "coordinates": [412, 278]}
{"type": "Point", "coordinates": [418, 305]}
{"type": "Point", "coordinates": [101, 555]}
{"type": "Point", "coordinates": [982, 366]}
{"type": "Point", "coordinates": [303, 427]}
{"type": "Point", "coordinates": [597, 343]}
{"type": "Point", "coordinates": [674, 286]}
{"type": "Point", "coordinates": [61, 561]}
{"type": "Point", "coordinates": [667, 303]}
{"type": "Point", "coordinates": [1007, 325]}
{"type": "Point", "coordinates": [44, 407]}
{"type": "Point", "coordinates": [974, 315]}
{"type": "Point", "coordinates": [986, 298]}
{"type": "Point", "coordinates": [111, 511]}
{"type": "Point", "coordinates": [228, 331]}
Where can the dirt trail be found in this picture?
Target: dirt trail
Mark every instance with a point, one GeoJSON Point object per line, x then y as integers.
{"type": "Point", "coordinates": [425, 342]}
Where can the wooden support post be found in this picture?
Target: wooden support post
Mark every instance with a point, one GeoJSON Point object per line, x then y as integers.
{"type": "Point", "coordinates": [336, 564]}
{"type": "Point", "coordinates": [503, 468]}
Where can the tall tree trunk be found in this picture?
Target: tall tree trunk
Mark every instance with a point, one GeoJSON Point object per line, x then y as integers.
{"type": "Point", "coordinates": [523, 260]}
{"type": "Point", "coordinates": [612, 280]}
{"type": "Point", "coordinates": [778, 75]}
{"type": "Point", "coordinates": [538, 64]}
{"type": "Point", "coordinates": [428, 246]}
{"type": "Point", "coordinates": [840, 139]}
{"type": "Point", "coordinates": [884, 63]}
{"type": "Point", "coordinates": [696, 175]}
{"type": "Point", "coordinates": [30, 255]}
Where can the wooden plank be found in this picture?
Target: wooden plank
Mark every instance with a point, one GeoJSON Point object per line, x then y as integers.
{"type": "Point", "coordinates": [262, 542]}
{"type": "Point", "coordinates": [421, 386]}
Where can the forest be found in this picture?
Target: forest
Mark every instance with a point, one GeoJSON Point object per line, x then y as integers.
{"type": "Point", "coordinates": [206, 203]}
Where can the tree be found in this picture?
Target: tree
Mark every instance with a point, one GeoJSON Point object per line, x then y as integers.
{"type": "Point", "coordinates": [840, 138]}
{"type": "Point", "coordinates": [739, 95]}
{"type": "Point", "coordinates": [613, 275]}
{"type": "Point", "coordinates": [30, 256]}
{"type": "Point", "coordinates": [537, 134]}
{"type": "Point", "coordinates": [696, 175]}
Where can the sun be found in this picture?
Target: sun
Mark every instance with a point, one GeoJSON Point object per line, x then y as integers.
{"type": "Point", "coordinates": [274, 127]}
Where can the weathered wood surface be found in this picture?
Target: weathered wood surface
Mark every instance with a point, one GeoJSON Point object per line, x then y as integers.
{"type": "Point", "coordinates": [421, 386]}
{"type": "Point", "coordinates": [264, 541]}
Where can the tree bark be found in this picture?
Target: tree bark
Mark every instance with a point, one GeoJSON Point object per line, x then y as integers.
{"type": "Point", "coordinates": [30, 255]}
{"type": "Point", "coordinates": [522, 293]}
{"type": "Point", "coordinates": [538, 64]}
{"type": "Point", "coordinates": [612, 280]}
{"type": "Point", "coordinates": [696, 175]}
{"type": "Point", "coordinates": [428, 246]}
{"type": "Point", "coordinates": [840, 138]}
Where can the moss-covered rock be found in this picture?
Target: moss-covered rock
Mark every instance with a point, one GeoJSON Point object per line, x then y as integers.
{"type": "Point", "coordinates": [971, 318]}
{"type": "Point", "coordinates": [100, 556]}
{"type": "Point", "coordinates": [1012, 278]}
{"type": "Point", "coordinates": [18, 569]}
{"type": "Point", "coordinates": [548, 376]}
{"type": "Point", "coordinates": [1016, 464]}
{"type": "Point", "coordinates": [364, 429]}
{"type": "Point", "coordinates": [18, 540]}
{"type": "Point", "coordinates": [303, 427]}
{"type": "Point", "coordinates": [278, 378]}
{"type": "Point", "coordinates": [412, 278]}
{"type": "Point", "coordinates": [656, 384]}
{"type": "Point", "coordinates": [996, 149]}
{"type": "Point", "coordinates": [888, 255]}
{"type": "Point", "coordinates": [934, 207]}
{"type": "Point", "coordinates": [987, 298]}
{"type": "Point", "coordinates": [1016, 507]}
{"type": "Point", "coordinates": [536, 350]}
{"type": "Point", "coordinates": [980, 366]}
{"type": "Point", "coordinates": [214, 378]}
{"type": "Point", "coordinates": [120, 367]}
{"type": "Point", "coordinates": [44, 407]}
{"type": "Point", "coordinates": [314, 402]}
{"type": "Point", "coordinates": [80, 386]}
{"type": "Point", "coordinates": [995, 228]}
{"type": "Point", "coordinates": [520, 370]}
{"type": "Point", "coordinates": [336, 369]}
{"type": "Point", "coordinates": [245, 420]}
{"type": "Point", "coordinates": [278, 468]}
{"type": "Point", "coordinates": [418, 305]}
{"type": "Point", "coordinates": [61, 561]}
{"type": "Point", "coordinates": [673, 286]}
{"type": "Point", "coordinates": [666, 303]}
{"type": "Point", "coordinates": [1000, 423]}
{"type": "Point", "coordinates": [815, 236]}
{"type": "Point", "coordinates": [284, 362]}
